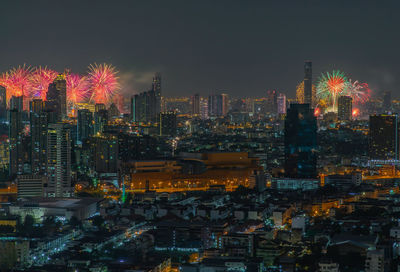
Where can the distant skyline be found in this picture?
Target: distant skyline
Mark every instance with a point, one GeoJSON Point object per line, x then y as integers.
{"type": "Point", "coordinates": [244, 47]}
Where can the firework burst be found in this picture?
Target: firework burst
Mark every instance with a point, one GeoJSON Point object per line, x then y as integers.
{"type": "Point", "coordinates": [360, 92]}
{"type": "Point", "coordinates": [103, 83]}
{"type": "Point", "coordinates": [16, 81]}
{"type": "Point", "coordinates": [39, 80]}
{"type": "Point", "coordinates": [330, 86]}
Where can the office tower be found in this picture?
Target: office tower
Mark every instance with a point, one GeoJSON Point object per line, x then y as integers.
{"type": "Point", "coordinates": [308, 96]}
{"type": "Point", "coordinates": [144, 106]}
{"type": "Point", "coordinates": [58, 161]}
{"type": "Point", "coordinates": [218, 105]}
{"type": "Point", "coordinates": [99, 106]}
{"type": "Point", "coordinates": [281, 101]}
{"type": "Point", "coordinates": [106, 154]}
{"type": "Point", "coordinates": [167, 124]}
{"type": "Point", "coordinates": [195, 99]}
{"type": "Point", "coordinates": [39, 120]}
{"type": "Point", "coordinates": [3, 103]}
{"type": "Point", "coordinates": [100, 120]}
{"type": "Point", "coordinates": [345, 108]}
{"type": "Point", "coordinates": [203, 108]}
{"type": "Point", "coordinates": [156, 88]}
{"type": "Point", "coordinates": [271, 103]}
{"type": "Point", "coordinates": [17, 103]}
{"type": "Point", "coordinates": [387, 101]}
{"type": "Point", "coordinates": [16, 143]}
{"type": "Point", "coordinates": [56, 97]}
{"type": "Point", "coordinates": [113, 111]}
{"type": "Point", "coordinates": [30, 185]}
{"type": "Point", "coordinates": [300, 142]}
{"type": "Point", "coordinates": [84, 125]}
{"type": "Point", "coordinates": [384, 137]}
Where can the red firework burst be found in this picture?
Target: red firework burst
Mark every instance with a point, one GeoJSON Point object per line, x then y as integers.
{"type": "Point", "coordinates": [16, 81]}
{"type": "Point", "coordinates": [103, 82]}
{"type": "Point", "coordinates": [77, 88]}
{"type": "Point", "coordinates": [39, 80]}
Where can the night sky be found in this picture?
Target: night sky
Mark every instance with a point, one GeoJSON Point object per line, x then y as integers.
{"type": "Point", "coordinates": [243, 47]}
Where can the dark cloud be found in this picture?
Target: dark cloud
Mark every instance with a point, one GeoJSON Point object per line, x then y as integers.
{"type": "Point", "coordinates": [245, 47]}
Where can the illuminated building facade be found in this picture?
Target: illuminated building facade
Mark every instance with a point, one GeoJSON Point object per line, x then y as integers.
{"type": "Point", "coordinates": [58, 161]}
{"type": "Point", "coordinates": [195, 100]}
{"type": "Point", "coordinates": [218, 105]}
{"type": "Point", "coordinates": [384, 137]}
{"type": "Point", "coordinates": [300, 142]}
{"type": "Point", "coordinates": [345, 108]}
{"type": "Point", "coordinates": [38, 122]}
{"type": "Point", "coordinates": [281, 101]}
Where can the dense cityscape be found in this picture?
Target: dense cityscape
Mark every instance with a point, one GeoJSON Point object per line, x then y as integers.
{"type": "Point", "coordinates": [98, 174]}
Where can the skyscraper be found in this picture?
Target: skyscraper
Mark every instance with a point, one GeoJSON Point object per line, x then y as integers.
{"type": "Point", "coordinates": [218, 105]}
{"type": "Point", "coordinates": [300, 142]}
{"type": "Point", "coordinates": [271, 102]}
{"type": "Point", "coordinates": [195, 104]}
{"type": "Point", "coordinates": [3, 103]}
{"type": "Point", "coordinates": [84, 125]}
{"type": "Point", "coordinates": [17, 103]}
{"type": "Point", "coordinates": [384, 137]}
{"type": "Point", "coordinates": [156, 88]}
{"type": "Point", "coordinates": [345, 108]}
{"type": "Point", "coordinates": [15, 136]}
{"type": "Point", "coordinates": [308, 97]}
{"type": "Point", "coordinates": [167, 124]}
{"type": "Point", "coordinates": [281, 101]}
{"type": "Point", "coordinates": [56, 97]}
{"type": "Point", "coordinates": [106, 153]}
{"type": "Point", "coordinates": [100, 120]}
{"type": "Point", "coordinates": [144, 106]}
{"type": "Point", "coordinates": [58, 161]}
{"type": "Point", "coordinates": [387, 101]}
{"type": "Point", "coordinates": [39, 120]}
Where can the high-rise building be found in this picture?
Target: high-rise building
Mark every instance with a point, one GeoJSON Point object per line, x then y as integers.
{"type": "Point", "coordinates": [16, 142]}
{"type": "Point", "coordinates": [167, 124]}
{"type": "Point", "coordinates": [39, 120]}
{"type": "Point", "coordinates": [203, 108]}
{"type": "Point", "coordinates": [30, 185]}
{"type": "Point", "coordinates": [106, 153]}
{"type": "Point", "coordinates": [384, 137]}
{"type": "Point", "coordinates": [345, 108]}
{"type": "Point", "coordinates": [17, 103]}
{"type": "Point", "coordinates": [387, 101]}
{"type": "Point", "coordinates": [271, 102]}
{"type": "Point", "coordinates": [99, 106]}
{"type": "Point", "coordinates": [300, 142]}
{"type": "Point", "coordinates": [308, 97]}
{"type": "Point", "coordinates": [145, 106]}
{"type": "Point", "coordinates": [100, 120]}
{"type": "Point", "coordinates": [156, 88]}
{"type": "Point", "coordinates": [195, 100]}
{"type": "Point", "coordinates": [281, 101]}
{"type": "Point", "coordinates": [3, 103]}
{"type": "Point", "coordinates": [84, 125]}
{"type": "Point", "coordinates": [218, 105]}
{"type": "Point", "coordinates": [56, 97]}
{"type": "Point", "coordinates": [58, 161]}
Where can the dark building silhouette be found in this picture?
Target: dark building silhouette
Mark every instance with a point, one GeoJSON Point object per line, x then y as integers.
{"type": "Point", "coordinates": [384, 137]}
{"type": "Point", "coordinates": [217, 105]}
{"type": "Point", "coordinates": [84, 125]}
{"type": "Point", "coordinates": [100, 120]}
{"type": "Point", "coordinates": [345, 108]}
{"type": "Point", "coordinates": [300, 142]}
{"type": "Point", "coordinates": [3, 103]}
{"type": "Point", "coordinates": [15, 137]}
{"type": "Point", "coordinates": [56, 97]}
{"type": "Point", "coordinates": [387, 101]}
{"type": "Point", "coordinates": [156, 88]}
{"type": "Point", "coordinates": [167, 124]}
{"type": "Point", "coordinates": [195, 104]}
{"type": "Point", "coordinates": [39, 120]}
{"type": "Point", "coordinates": [308, 97]}
{"type": "Point", "coordinates": [143, 107]}
{"type": "Point", "coordinates": [271, 102]}
{"type": "Point", "coordinates": [17, 103]}
{"type": "Point", "coordinates": [106, 154]}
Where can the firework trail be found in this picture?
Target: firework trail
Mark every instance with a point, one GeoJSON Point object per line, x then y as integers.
{"type": "Point", "coordinates": [103, 82]}
{"type": "Point", "coordinates": [330, 86]}
{"type": "Point", "coordinates": [39, 80]}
